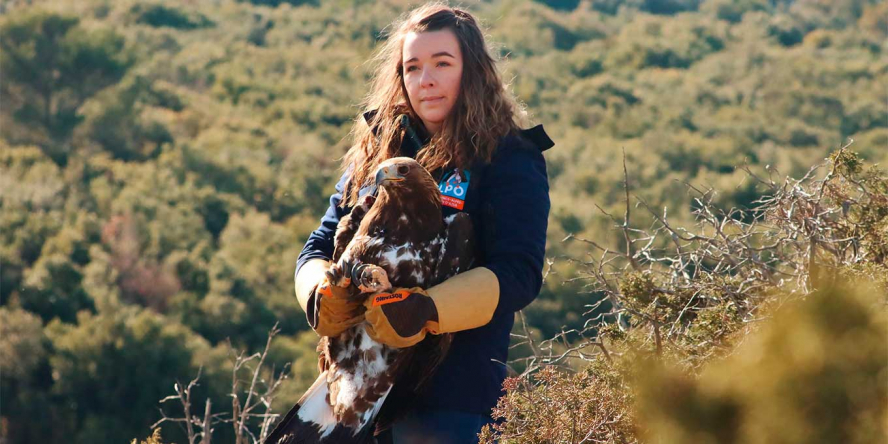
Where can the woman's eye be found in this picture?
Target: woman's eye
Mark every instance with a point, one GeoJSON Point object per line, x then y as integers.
{"type": "Point", "coordinates": [411, 68]}
{"type": "Point", "coordinates": [443, 64]}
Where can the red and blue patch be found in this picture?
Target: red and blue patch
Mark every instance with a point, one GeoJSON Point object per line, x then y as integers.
{"type": "Point", "coordinates": [454, 188]}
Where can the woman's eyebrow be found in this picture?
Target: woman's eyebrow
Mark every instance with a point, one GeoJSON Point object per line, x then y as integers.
{"type": "Point", "coordinates": [437, 54]}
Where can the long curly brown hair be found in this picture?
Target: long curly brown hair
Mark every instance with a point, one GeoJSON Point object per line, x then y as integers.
{"type": "Point", "coordinates": [484, 112]}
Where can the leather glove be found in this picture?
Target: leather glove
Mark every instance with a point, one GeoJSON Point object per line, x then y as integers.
{"type": "Point", "coordinates": [404, 316]}
{"type": "Point", "coordinates": [401, 318]}
{"type": "Point", "coordinates": [327, 307]}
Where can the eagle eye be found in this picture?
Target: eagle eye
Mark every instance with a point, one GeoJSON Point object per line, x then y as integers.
{"type": "Point", "coordinates": [403, 169]}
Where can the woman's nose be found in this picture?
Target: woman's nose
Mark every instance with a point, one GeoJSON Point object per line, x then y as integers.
{"type": "Point", "coordinates": [427, 79]}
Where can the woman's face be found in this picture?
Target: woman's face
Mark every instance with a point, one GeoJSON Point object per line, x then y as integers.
{"type": "Point", "coordinates": [432, 71]}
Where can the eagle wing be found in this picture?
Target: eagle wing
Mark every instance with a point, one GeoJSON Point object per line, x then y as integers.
{"type": "Point", "coordinates": [457, 249]}
{"type": "Point", "coordinates": [349, 224]}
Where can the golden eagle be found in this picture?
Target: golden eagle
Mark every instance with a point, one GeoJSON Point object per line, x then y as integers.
{"type": "Point", "coordinates": [395, 238]}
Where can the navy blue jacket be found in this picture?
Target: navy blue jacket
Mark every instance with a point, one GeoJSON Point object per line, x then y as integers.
{"type": "Point", "coordinates": [509, 206]}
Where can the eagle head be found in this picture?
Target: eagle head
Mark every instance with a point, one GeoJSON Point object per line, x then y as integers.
{"type": "Point", "coordinates": [402, 172]}
{"type": "Point", "coordinates": [408, 191]}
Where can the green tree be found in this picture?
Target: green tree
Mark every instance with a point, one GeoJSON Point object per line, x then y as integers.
{"type": "Point", "coordinates": [111, 369]}
{"type": "Point", "coordinates": [27, 378]}
{"type": "Point", "coordinates": [116, 119]}
{"type": "Point", "coordinates": [51, 65]}
{"type": "Point", "coordinates": [158, 15]}
{"type": "Point", "coordinates": [250, 284]}
{"type": "Point", "coordinates": [31, 207]}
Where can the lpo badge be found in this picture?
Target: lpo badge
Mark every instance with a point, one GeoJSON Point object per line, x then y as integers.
{"type": "Point", "coordinates": [454, 187]}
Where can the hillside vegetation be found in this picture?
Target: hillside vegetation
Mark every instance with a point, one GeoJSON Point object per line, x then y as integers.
{"type": "Point", "coordinates": [162, 162]}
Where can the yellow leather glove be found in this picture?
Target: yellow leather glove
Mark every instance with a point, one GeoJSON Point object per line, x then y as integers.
{"type": "Point", "coordinates": [403, 317]}
{"type": "Point", "coordinates": [327, 307]}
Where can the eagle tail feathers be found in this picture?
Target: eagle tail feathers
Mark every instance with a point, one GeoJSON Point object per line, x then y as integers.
{"type": "Point", "coordinates": [312, 421]}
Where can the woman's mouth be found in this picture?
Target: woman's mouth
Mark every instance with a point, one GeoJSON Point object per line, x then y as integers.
{"type": "Point", "coordinates": [433, 99]}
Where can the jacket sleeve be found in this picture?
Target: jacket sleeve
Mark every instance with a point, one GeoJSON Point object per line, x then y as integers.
{"type": "Point", "coordinates": [320, 242]}
{"type": "Point", "coordinates": [516, 217]}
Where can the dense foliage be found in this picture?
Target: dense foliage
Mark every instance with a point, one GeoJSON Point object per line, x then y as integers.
{"type": "Point", "coordinates": [161, 163]}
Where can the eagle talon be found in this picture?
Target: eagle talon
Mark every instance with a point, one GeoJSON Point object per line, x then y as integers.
{"type": "Point", "coordinates": [372, 279]}
{"type": "Point", "coordinates": [338, 275]}
{"type": "Point", "coordinates": [367, 201]}
{"type": "Point", "coordinates": [362, 208]}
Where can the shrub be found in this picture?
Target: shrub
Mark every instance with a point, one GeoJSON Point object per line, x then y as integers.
{"type": "Point", "coordinates": [694, 299]}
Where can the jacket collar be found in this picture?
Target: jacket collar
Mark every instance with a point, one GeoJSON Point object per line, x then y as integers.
{"type": "Point", "coordinates": [537, 135]}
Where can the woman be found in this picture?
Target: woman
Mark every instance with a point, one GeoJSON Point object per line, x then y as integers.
{"type": "Point", "coordinates": [437, 97]}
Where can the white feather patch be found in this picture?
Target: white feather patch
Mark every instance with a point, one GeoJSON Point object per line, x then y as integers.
{"type": "Point", "coordinates": [347, 389]}
{"type": "Point", "coordinates": [366, 342]}
{"type": "Point", "coordinates": [316, 410]}
{"type": "Point", "coordinates": [392, 257]}
{"type": "Point", "coordinates": [351, 384]}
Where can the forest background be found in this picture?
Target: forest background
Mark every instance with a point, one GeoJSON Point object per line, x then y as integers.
{"type": "Point", "coordinates": [161, 163]}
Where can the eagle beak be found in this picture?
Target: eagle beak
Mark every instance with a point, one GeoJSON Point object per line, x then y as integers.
{"type": "Point", "coordinates": [388, 174]}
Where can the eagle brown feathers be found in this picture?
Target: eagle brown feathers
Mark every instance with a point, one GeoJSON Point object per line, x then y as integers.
{"type": "Point", "coordinates": [396, 238]}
